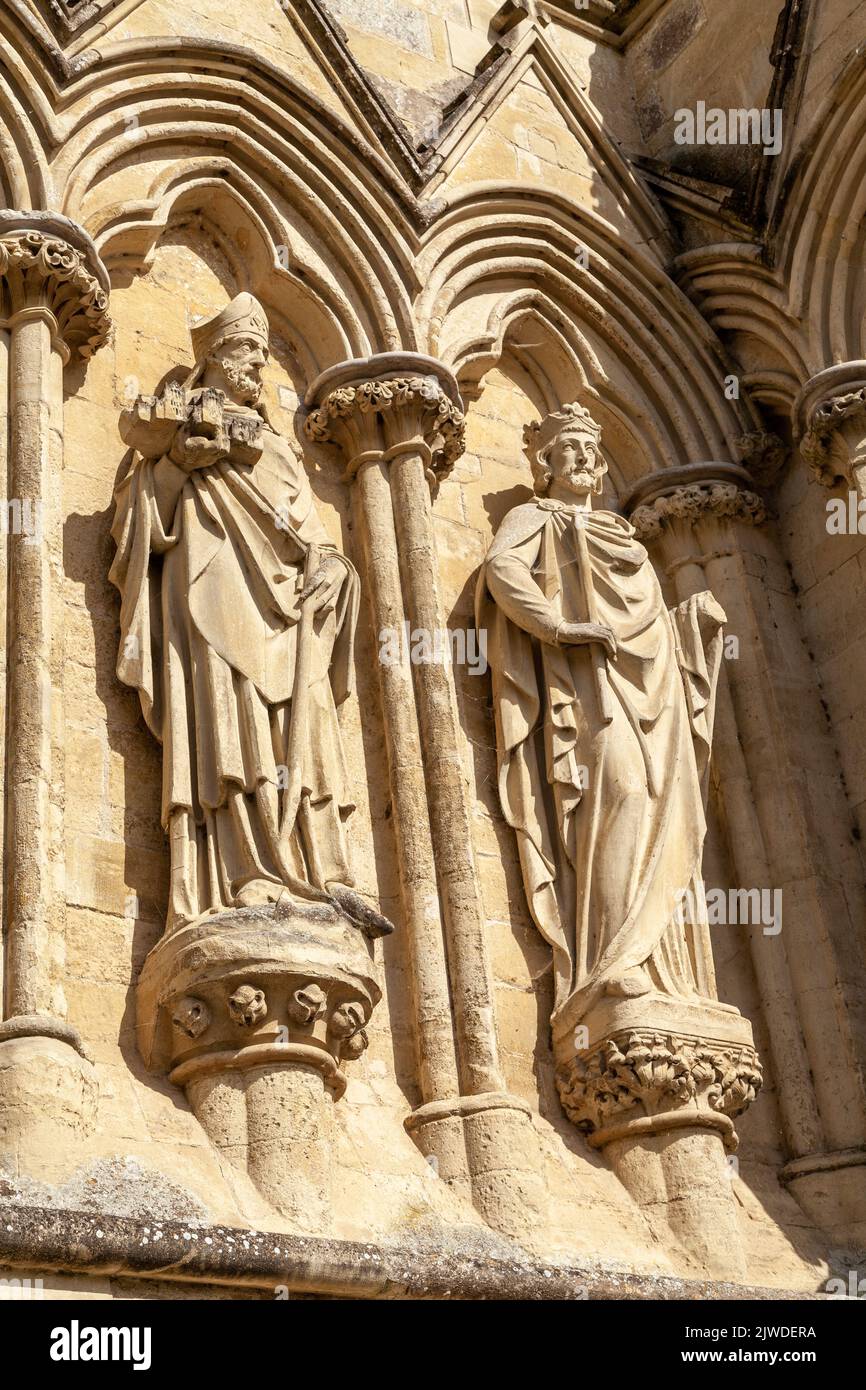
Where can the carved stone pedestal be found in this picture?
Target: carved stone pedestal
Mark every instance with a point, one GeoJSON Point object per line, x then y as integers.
{"type": "Point", "coordinates": [656, 1082]}
{"type": "Point", "coordinates": [253, 1012]}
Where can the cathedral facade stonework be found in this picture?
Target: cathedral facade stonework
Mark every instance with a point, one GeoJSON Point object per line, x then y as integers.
{"type": "Point", "coordinates": [434, 648]}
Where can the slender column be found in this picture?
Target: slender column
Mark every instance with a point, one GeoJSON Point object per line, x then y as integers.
{"type": "Point", "coordinates": [398, 419]}
{"type": "Point", "coordinates": [29, 762]}
{"type": "Point", "coordinates": [437, 1058]}
{"type": "Point", "coordinates": [689, 535]}
{"type": "Point", "coordinates": [448, 802]}
{"type": "Point", "coordinates": [704, 531]}
{"type": "Point", "coordinates": [54, 306]}
{"type": "Point", "coordinates": [4, 636]}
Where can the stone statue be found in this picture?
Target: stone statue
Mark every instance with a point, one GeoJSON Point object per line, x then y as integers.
{"type": "Point", "coordinates": [237, 624]}
{"type": "Point", "coordinates": [604, 710]}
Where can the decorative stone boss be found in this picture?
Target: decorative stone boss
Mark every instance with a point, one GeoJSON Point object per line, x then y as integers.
{"type": "Point", "coordinates": [237, 624]}
{"type": "Point", "coordinates": [604, 713]}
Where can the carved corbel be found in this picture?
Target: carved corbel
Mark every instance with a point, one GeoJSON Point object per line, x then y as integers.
{"type": "Point", "coordinates": [763, 455]}
{"type": "Point", "coordinates": [830, 420]}
{"type": "Point", "coordinates": [644, 1076]}
{"type": "Point", "coordinates": [254, 1013]}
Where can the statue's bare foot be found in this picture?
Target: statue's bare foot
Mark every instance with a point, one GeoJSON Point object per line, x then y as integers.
{"type": "Point", "coordinates": [630, 985]}
{"type": "Point", "coordinates": [360, 914]}
{"type": "Point", "coordinates": [258, 892]}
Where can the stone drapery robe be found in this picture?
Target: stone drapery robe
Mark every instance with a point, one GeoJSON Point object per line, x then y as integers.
{"type": "Point", "coordinates": [209, 624]}
{"type": "Point", "coordinates": [608, 811]}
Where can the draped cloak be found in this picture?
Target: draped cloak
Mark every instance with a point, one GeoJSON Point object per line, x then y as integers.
{"type": "Point", "coordinates": [209, 622]}
{"type": "Point", "coordinates": [607, 805]}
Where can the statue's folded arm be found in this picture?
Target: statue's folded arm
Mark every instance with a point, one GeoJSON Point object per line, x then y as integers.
{"type": "Point", "coordinates": [512, 586]}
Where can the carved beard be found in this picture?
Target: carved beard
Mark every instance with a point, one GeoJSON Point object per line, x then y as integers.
{"type": "Point", "coordinates": [580, 476]}
{"type": "Point", "coordinates": [245, 384]}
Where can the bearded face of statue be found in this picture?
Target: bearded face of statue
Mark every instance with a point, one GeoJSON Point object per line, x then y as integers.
{"type": "Point", "coordinates": [236, 368]}
{"type": "Point", "coordinates": [575, 463]}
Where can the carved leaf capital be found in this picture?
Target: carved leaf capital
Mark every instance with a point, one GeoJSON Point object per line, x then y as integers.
{"type": "Point", "coordinates": [695, 501]}
{"type": "Point", "coordinates": [835, 442]}
{"type": "Point", "coordinates": [763, 454]}
{"type": "Point", "coordinates": [44, 271]}
{"type": "Point", "coordinates": [650, 1073]}
{"type": "Point", "coordinates": [425, 408]}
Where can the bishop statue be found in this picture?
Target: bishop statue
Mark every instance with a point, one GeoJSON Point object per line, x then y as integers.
{"type": "Point", "coordinates": [238, 618]}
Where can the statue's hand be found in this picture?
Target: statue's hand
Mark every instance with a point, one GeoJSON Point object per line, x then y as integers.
{"type": "Point", "coordinates": [711, 615]}
{"type": "Point", "coordinates": [580, 634]}
{"type": "Point", "coordinates": [325, 583]}
{"type": "Point", "coordinates": [192, 451]}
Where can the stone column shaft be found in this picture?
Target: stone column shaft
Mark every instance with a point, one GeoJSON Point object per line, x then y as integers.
{"type": "Point", "coordinates": [384, 415]}
{"type": "Point", "coordinates": [814, 963]}
{"type": "Point", "coordinates": [397, 420]}
{"type": "Point", "coordinates": [685, 555]}
{"type": "Point", "coordinates": [30, 782]}
{"type": "Point", "coordinates": [446, 786]}
{"type": "Point", "coordinates": [54, 305]}
{"type": "Point", "coordinates": [435, 1048]}
{"type": "Point", "coordinates": [808, 974]}
{"type": "Point", "coordinates": [4, 637]}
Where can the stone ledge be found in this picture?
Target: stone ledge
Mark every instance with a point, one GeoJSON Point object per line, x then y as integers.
{"type": "Point", "coordinates": [78, 1242]}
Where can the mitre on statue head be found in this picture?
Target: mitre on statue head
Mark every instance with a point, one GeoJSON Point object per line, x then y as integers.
{"type": "Point", "coordinates": [244, 317]}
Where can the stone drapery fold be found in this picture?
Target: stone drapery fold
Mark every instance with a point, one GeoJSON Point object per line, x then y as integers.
{"type": "Point", "coordinates": [209, 622]}
{"type": "Point", "coordinates": [608, 812]}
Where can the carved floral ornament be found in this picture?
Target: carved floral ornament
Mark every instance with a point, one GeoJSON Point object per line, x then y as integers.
{"type": "Point", "coordinates": [832, 444]}
{"type": "Point", "coordinates": [653, 1074]}
{"type": "Point", "coordinates": [694, 501]}
{"type": "Point", "coordinates": [763, 454]}
{"type": "Point", "coordinates": [439, 415]}
{"type": "Point", "coordinates": [45, 271]}
{"type": "Point", "coordinates": [225, 1027]}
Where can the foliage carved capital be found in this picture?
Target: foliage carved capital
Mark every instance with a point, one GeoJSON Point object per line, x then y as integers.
{"type": "Point", "coordinates": [40, 271]}
{"type": "Point", "coordinates": [692, 503]}
{"type": "Point", "coordinates": [834, 444]}
{"type": "Point", "coordinates": [651, 1076]}
{"type": "Point", "coordinates": [373, 409]}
